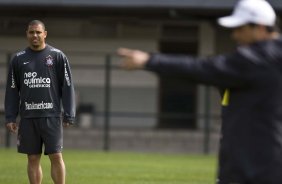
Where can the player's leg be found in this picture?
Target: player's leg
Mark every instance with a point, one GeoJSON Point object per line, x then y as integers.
{"type": "Point", "coordinates": [57, 168]}
{"type": "Point", "coordinates": [34, 169]}
{"type": "Point", "coordinates": [52, 133]}
{"type": "Point", "coordinates": [30, 143]}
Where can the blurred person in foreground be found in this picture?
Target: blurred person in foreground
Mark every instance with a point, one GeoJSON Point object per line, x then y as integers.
{"type": "Point", "coordinates": [39, 83]}
{"type": "Point", "coordinates": [250, 80]}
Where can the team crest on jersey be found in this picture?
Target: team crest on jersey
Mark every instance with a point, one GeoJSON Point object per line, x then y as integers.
{"type": "Point", "coordinates": [49, 61]}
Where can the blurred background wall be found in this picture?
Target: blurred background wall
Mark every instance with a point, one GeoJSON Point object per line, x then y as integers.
{"type": "Point", "coordinates": [121, 110]}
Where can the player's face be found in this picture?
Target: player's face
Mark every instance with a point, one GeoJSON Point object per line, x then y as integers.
{"type": "Point", "coordinates": [36, 36]}
{"type": "Point", "coordinates": [244, 35]}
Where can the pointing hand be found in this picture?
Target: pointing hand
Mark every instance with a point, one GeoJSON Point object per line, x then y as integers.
{"type": "Point", "coordinates": [133, 59]}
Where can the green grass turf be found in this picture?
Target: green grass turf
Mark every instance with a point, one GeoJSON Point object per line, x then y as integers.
{"type": "Point", "coordinates": [90, 167]}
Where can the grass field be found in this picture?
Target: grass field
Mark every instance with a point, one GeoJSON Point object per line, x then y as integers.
{"type": "Point", "coordinates": [89, 167]}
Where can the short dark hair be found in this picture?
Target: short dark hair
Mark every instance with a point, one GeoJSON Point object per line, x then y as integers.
{"type": "Point", "coordinates": [36, 22]}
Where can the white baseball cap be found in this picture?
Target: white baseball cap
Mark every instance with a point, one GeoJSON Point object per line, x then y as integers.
{"type": "Point", "coordinates": [250, 11]}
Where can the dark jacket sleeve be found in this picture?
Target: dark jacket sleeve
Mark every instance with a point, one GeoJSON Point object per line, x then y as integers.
{"type": "Point", "coordinates": [12, 97]}
{"type": "Point", "coordinates": [224, 71]}
{"type": "Point", "coordinates": [68, 95]}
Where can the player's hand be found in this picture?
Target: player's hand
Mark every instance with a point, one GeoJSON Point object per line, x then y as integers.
{"type": "Point", "coordinates": [12, 127]}
{"type": "Point", "coordinates": [133, 59]}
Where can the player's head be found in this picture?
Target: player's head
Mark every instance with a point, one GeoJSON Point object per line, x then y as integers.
{"type": "Point", "coordinates": [36, 34]}
{"type": "Point", "coordinates": [251, 20]}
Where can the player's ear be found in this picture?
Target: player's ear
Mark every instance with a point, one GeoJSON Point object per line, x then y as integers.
{"type": "Point", "coordinates": [45, 34]}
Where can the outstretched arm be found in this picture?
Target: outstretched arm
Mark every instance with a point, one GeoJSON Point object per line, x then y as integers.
{"type": "Point", "coordinates": [222, 71]}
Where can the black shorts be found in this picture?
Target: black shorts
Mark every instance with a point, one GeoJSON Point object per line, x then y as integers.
{"type": "Point", "coordinates": [35, 132]}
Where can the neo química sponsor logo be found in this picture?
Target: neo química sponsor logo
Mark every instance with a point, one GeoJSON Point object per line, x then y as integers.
{"type": "Point", "coordinates": [33, 81]}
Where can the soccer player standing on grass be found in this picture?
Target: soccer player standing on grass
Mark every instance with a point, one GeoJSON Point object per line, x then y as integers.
{"type": "Point", "coordinates": [250, 79]}
{"type": "Point", "coordinates": [39, 83]}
